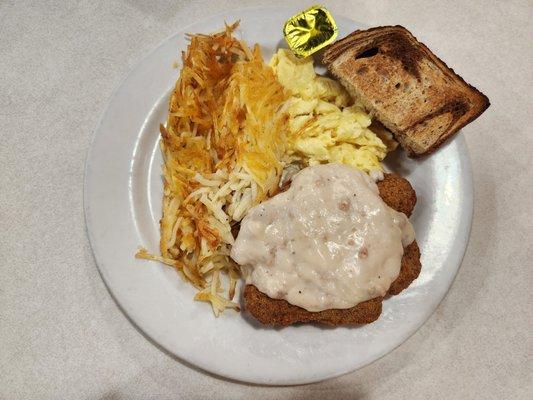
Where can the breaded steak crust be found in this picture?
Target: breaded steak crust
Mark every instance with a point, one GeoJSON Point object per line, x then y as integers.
{"type": "Point", "coordinates": [396, 192]}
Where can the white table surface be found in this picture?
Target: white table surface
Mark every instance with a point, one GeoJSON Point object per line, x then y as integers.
{"type": "Point", "coordinates": [61, 334]}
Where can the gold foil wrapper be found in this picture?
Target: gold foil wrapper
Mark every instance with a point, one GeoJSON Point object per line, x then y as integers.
{"type": "Point", "coordinates": [310, 31]}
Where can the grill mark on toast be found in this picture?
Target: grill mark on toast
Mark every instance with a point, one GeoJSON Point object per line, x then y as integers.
{"type": "Point", "coordinates": [395, 46]}
{"type": "Point", "coordinates": [457, 108]}
{"type": "Point", "coordinates": [398, 46]}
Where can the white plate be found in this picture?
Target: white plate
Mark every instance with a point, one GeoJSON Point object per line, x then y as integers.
{"type": "Point", "coordinates": [123, 206]}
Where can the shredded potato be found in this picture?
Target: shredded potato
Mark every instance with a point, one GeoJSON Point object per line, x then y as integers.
{"type": "Point", "coordinates": [222, 149]}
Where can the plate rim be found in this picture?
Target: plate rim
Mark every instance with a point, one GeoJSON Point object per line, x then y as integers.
{"type": "Point", "coordinates": [467, 210]}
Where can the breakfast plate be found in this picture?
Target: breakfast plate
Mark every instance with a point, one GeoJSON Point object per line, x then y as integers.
{"type": "Point", "coordinates": [122, 199]}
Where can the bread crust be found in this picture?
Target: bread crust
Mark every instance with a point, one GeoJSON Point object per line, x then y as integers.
{"type": "Point", "coordinates": [405, 86]}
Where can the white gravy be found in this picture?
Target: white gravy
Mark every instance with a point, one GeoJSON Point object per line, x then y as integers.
{"type": "Point", "coordinates": [329, 241]}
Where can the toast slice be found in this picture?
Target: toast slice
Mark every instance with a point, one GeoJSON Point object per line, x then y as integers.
{"type": "Point", "coordinates": [405, 86]}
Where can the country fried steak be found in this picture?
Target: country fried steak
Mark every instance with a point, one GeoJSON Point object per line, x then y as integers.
{"type": "Point", "coordinates": [396, 192]}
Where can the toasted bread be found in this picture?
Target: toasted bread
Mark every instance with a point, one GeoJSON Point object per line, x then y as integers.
{"type": "Point", "coordinates": [405, 86]}
{"type": "Point", "coordinates": [398, 194]}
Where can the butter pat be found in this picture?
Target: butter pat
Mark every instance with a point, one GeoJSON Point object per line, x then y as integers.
{"type": "Point", "coordinates": [310, 31]}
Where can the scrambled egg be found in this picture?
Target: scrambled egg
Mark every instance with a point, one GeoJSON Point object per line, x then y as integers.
{"type": "Point", "coordinates": [325, 125]}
